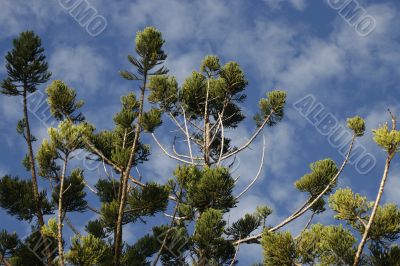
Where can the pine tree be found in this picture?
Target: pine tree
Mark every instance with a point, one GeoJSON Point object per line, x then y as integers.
{"type": "Point", "coordinates": [390, 141]}
{"type": "Point", "coordinates": [207, 104]}
{"type": "Point", "coordinates": [202, 190]}
{"type": "Point", "coordinates": [27, 69]}
{"type": "Point", "coordinates": [149, 49]}
{"type": "Point", "coordinates": [68, 192]}
{"type": "Point", "coordinates": [335, 245]}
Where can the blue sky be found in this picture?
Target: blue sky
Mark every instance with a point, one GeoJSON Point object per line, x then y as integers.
{"type": "Point", "coordinates": [302, 46]}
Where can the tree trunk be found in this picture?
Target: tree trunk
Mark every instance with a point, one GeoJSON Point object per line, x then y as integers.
{"type": "Point", "coordinates": [124, 184]}
{"type": "Point", "coordinates": [121, 181]}
{"type": "Point", "coordinates": [374, 209]}
{"type": "Point", "coordinates": [60, 214]}
{"type": "Point", "coordinates": [31, 158]}
{"type": "Point", "coordinates": [4, 260]}
{"type": "Point", "coordinates": [207, 128]}
{"type": "Point", "coordinates": [32, 164]}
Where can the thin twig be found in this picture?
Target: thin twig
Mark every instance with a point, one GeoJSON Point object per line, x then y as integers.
{"type": "Point", "coordinates": [170, 155]}
{"type": "Point", "coordinates": [71, 226]}
{"type": "Point", "coordinates": [250, 140]}
{"type": "Point", "coordinates": [187, 135]}
{"type": "Point", "coordinates": [258, 172]}
{"type": "Point", "coordinates": [93, 209]}
{"type": "Point", "coordinates": [222, 140]}
{"type": "Point", "coordinates": [169, 229]}
{"type": "Point", "coordinates": [234, 257]}
{"type": "Point", "coordinates": [308, 206]}
{"type": "Point", "coordinates": [176, 217]}
{"type": "Point", "coordinates": [306, 226]}
{"type": "Point", "coordinates": [89, 187]}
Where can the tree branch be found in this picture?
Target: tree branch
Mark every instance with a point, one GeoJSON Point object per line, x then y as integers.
{"type": "Point", "coordinates": [258, 172]}
{"type": "Point", "coordinates": [374, 209]}
{"type": "Point", "coordinates": [303, 210]}
{"type": "Point", "coordinates": [250, 140]}
{"type": "Point", "coordinates": [170, 155]}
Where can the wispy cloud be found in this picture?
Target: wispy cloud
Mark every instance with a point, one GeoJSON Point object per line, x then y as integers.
{"type": "Point", "coordinates": [297, 4]}
{"type": "Point", "coordinates": [80, 65]}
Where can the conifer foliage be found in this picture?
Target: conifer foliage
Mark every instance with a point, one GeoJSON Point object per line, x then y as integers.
{"type": "Point", "coordinates": [192, 207]}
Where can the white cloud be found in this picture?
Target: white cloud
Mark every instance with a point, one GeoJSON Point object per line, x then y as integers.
{"type": "Point", "coordinates": [392, 188]}
{"type": "Point", "coordinates": [372, 58]}
{"type": "Point", "coordinates": [182, 65]}
{"type": "Point", "coordinates": [297, 4]}
{"type": "Point", "coordinates": [317, 63]}
{"type": "Point", "coordinates": [273, 51]}
{"type": "Point", "coordinates": [80, 66]}
{"type": "Point", "coordinates": [3, 170]}
{"type": "Point", "coordinates": [195, 18]}
{"type": "Point", "coordinates": [18, 15]}
{"type": "Point", "coordinates": [11, 108]}
{"type": "Point", "coordinates": [161, 167]}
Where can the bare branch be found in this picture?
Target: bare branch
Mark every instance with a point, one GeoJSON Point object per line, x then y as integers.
{"type": "Point", "coordinates": [250, 140]}
{"type": "Point", "coordinates": [124, 141]}
{"type": "Point", "coordinates": [235, 256]}
{"type": "Point", "coordinates": [176, 217]}
{"type": "Point", "coordinates": [71, 226]}
{"type": "Point", "coordinates": [4, 260]}
{"type": "Point", "coordinates": [187, 135]}
{"type": "Point", "coordinates": [89, 187]}
{"type": "Point", "coordinates": [361, 221]}
{"type": "Point", "coordinates": [258, 172]}
{"type": "Point", "coordinates": [195, 125]}
{"type": "Point", "coordinates": [306, 226]}
{"type": "Point", "coordinates": [375, 208]}
{"type": "Point", "coordinates": [393, 120]}
{"type": "Point", "coordinates": [222, 140]}
{"type": "Point", "coordinates": [169, 229]}
{"type": "Point", "coordinates": [105, 169]}
{"type": "Point", "coordinates": [65, 191]}
{"type": "Point", "coordinates": [184, 156]}
{"type": "Point", "coordinates": [170, 155]}
{"type": "Point", "coordinates": [176, 122]}
{"type": "Point", "coordinates": [309, 205]}
{"type": "Point", "coordinates": [93, 209]}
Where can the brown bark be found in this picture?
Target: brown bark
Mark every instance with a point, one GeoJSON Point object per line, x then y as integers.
{"type": "Point", "coordinates": [373, 214]}
{"type": "Point", "coordinates": [31, 158]}
{"type": "Point", "coordinates": [124, 184]}
{"type": "Point", "coordinates": [391, 152]}
{"type": "Point", "coordinates": [207, 127]}
{"type": "Point", "coordinates": [60, 215]}
{"type": "Point", "coordinates": [4, 261]}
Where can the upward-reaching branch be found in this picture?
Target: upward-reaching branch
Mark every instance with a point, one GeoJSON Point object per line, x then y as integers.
{"type": "Point", "coordinates": [391, 149]}
{"type": "Point", "coordinates": [124, 184]}
{"type": "Point", "coordinates": [60, 213]}
{"type": "Point", "coordinates": [260, 128]}
{"type": "Point", "coordinates": [373, 213]}
{"type": "Point", "coordinates": [258, 172]}
{"type": "Point", "coordinates": [207, 126]}
{"type": "Point", "coordinates": [308, 204]}
{"type": "Point", "coordinates": [170, 155]}
{"type": "Point", "coordinates": [187, 136]}
{"type": "Point", "coordinates": [149, 48]}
